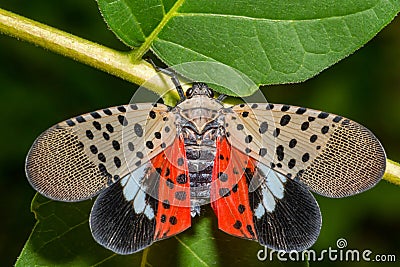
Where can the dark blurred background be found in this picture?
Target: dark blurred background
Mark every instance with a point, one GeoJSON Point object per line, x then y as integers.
{"type": "Point", "coordinates": [39, 88]}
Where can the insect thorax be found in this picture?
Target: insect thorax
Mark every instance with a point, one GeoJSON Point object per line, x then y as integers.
{"type": "Point", "coordinates": [199, 122]}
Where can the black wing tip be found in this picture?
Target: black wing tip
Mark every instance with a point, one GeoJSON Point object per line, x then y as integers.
{"type": "Point", "coordinates": [301, 245]}
{"type": "Point", "coordinates": [115, 225]}
{"type": "Point", "coordinates": [294, 242]}
{"type": "Point", "coordinates": [295, 223]}
{"type": "Point", "coordinates": [121, 248]}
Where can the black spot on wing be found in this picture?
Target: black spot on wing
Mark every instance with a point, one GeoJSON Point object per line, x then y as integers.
{"type": "Point", "coordinates": [301, 110]}
{"type": "Point", "coordinates": [121, 109]}
{"type": "Point", "coordinates": [93, 149]}
{"type": "Point", "coordinates": [106, 136]}
{"type": "Point", "coordinates": [240, 127]}
{"type": "Point", "coordinates": [122, 120]}
{"type": "Point", "coordinates": [323, 115]}
{"type": "Point", "coordinates": [337, 119]}
{"type": "Point", "coordinates": [280, 152]}
{"type": "Point", "coordinates": [285, 108]}
{"type": "Point", "coordinates": [285, 120]}
{"type": "Point", "coordinates": [89, 134]}
{"type": "Point", "coordinates": [152, 114]}
{"type": "Point", "coordinates": [292, 143]}
{"type": "Point", "coordinates": [149, 145]}
{"type": "Point", "coordinates": [131, 146]}
{"type": "Point", "coordinates": [80, 119]}
{"type": "Point", "coordinates": [107, 111]}
{"type": "Point", "coordinates": [95, 115]}
{"type": "Point", "coordinates": [263, 127]}
{"type": "Point", "coordinates": [305, 125]}
{"type": "Point", "coordinates": [324, 129]}
{"type": "Point", "coordinates": [276, 132]}
{"type": "Point", "coordinates": [182, 179]}
{"type": "Point", "coordinates": [263, 151]}
{"type": "Point", "coordinates": [109, 128]}
{"type": "Point", "coordinates": [70, 123]}
{"type": "Point", "coordinates": [313, 138]}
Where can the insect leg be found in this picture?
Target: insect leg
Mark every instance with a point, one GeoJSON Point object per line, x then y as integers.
{"type": "Point", "coordinates": [221, 97]}
{"type": "Point", "coordinates": [174, 79]}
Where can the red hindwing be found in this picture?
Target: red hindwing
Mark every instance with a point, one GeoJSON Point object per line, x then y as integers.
{"type": "Point", "coordinates": [173, 211]}
{"type": "Point", "coordinates": [229, 190]}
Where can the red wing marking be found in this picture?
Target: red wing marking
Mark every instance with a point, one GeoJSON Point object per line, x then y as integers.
{"type": "Point", "coordinates": [173, 211]}
{"type": "Point", "coordinates": [229, 190]}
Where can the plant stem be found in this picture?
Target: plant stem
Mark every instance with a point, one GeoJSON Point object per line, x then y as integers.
{"type": "Point", "coordinates": [106, 59]}
{"type": "Point", "coordinates": [392, 173]}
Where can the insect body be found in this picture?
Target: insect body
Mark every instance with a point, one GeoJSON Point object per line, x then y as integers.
{"type": "Point", "coordinates": [152, 168]}
{"type": "Point", "coordinates": [198, 117]}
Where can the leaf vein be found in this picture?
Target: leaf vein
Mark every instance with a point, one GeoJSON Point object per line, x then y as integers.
{"type": "Point", "coordinates": [137, 54]}
{"type": "Point", "coordinates": [104, 260]}
{"type": "Point", "coordinates": [186, 48]}
{"type": "Point", "coordinates": [271, 19]}
{"type": "Point", "coordinates": [62, 234]}
{"type": "Point", "coordinates": [191, 251]}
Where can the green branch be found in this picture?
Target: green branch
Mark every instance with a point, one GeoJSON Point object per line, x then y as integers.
{"type": "Point", "coordinates": [106, 59]}
{"type": "Point", "coordinates": [392, 173]}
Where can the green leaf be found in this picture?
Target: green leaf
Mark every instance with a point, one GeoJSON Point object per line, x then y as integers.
{"type": "Point", "coordinates": [272, 42]}
{"type": "Point", "coordinates": [62, 237]}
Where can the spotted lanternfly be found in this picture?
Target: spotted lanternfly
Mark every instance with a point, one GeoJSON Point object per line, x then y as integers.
{"type": "Point", "coordinates": [153, 166]}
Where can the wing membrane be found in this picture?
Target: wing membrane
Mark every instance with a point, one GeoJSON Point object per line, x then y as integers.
{"type": "Point", "coordinates": [77, 158]}
{"type": "Point", "coordinates": [149, 204]}
{"type": "Point", "coordinates": [334, 156]}
{"type": "Point", "coordinates": [229, 191]}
